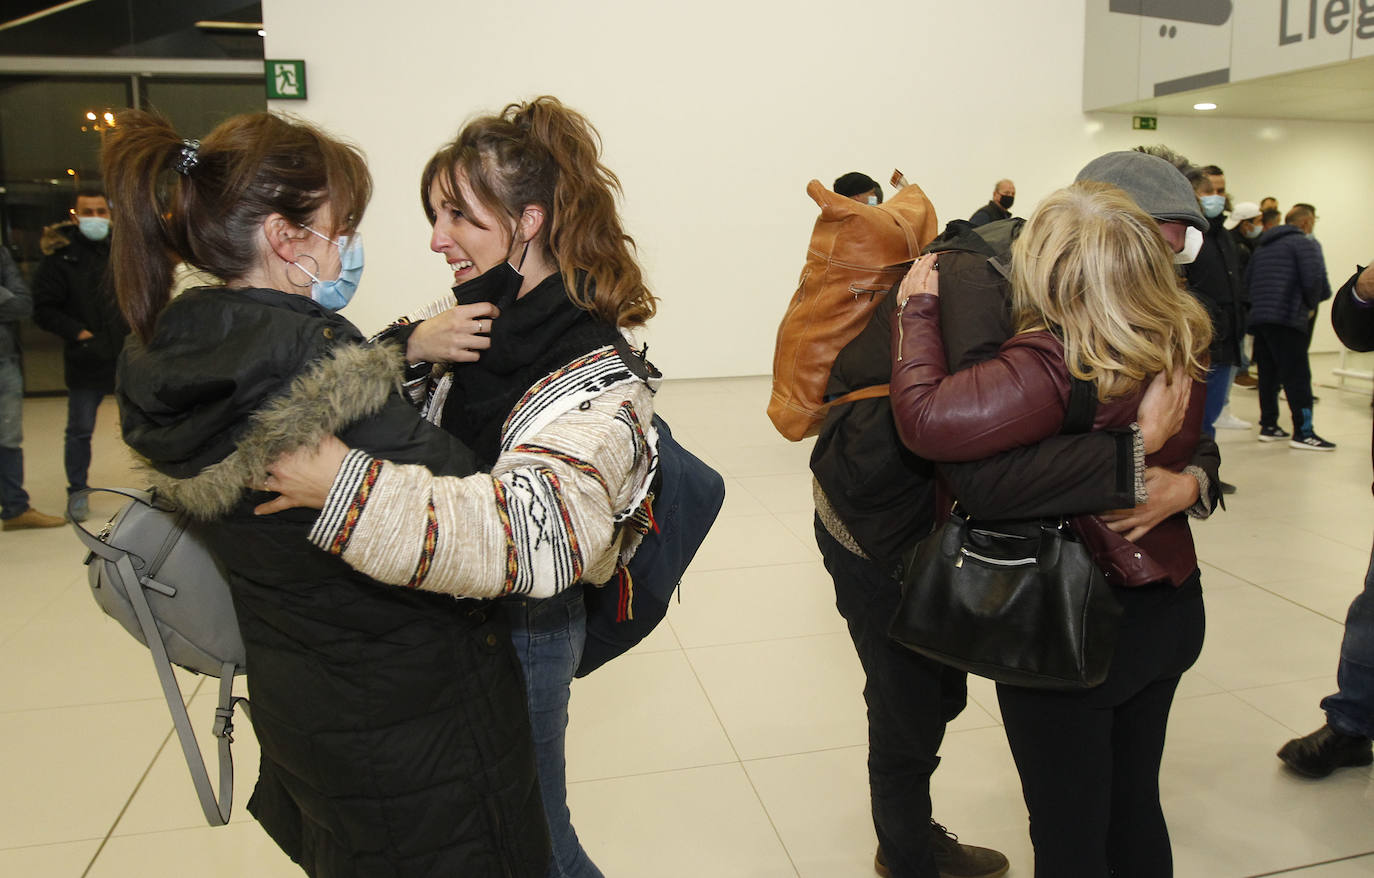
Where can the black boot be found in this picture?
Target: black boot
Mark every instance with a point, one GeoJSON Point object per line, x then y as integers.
{"type": "Point", "coordinates": [1324, 751]}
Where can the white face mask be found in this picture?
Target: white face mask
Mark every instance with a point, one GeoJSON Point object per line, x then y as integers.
{"type": "Point", "coordinates": [1192, 243]}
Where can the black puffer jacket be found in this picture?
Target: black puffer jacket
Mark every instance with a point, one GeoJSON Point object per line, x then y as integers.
{"type": "Point", "coordinates": [72, 292]}
{"type": "Point", "coordinates": [392, 723]}
{"type": "Point", "coordinates": [1214, 278]}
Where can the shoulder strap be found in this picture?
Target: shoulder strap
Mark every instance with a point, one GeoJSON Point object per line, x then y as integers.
{"type": "Point", "coordinates": [216, 812]}
{"type": "Point", "coordinates": [215, 808]}
{"type": "Point", "coordinates": [1082, 409]}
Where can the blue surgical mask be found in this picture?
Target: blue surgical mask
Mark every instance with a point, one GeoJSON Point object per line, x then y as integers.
{"type": "Point", "coordinates": [1213, 205]}
{"type": "Point", "coordinates": [335, 294]}
{"type": "Point", "coordinates": [1254, 231]}
{"type": "Point", "coordinates": [95, 228]}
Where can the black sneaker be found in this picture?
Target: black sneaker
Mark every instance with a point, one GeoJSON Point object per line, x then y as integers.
{"type": "Point", "coordinates": [955, 860]}
{"type": "Point", "coordinates": [1311, 442]}
{"type": "Point", "coordinates": [1324, 751]}
{"type": "Point", "coordinates": [1272, 434]}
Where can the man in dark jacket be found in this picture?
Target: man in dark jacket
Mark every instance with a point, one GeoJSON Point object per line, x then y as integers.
{"type": "Point", "coordinates": [1287, 283]}
{"type": "Point", "coordinates": [1345, 737]}
{"type": "Point", "coordinates": [15, 305]}
{"type": "Point", "coordinates": [998, 207]}
{"type": "Point", "coordinates": [73, 299]}
{"type": "Point", "coordinates": [1245, 224]}
{"type": "Point", "coordinates": [1214, 279]}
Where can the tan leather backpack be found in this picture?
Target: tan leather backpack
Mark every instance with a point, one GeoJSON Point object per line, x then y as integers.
{"type": "Point", "coordinates": [857, 252]}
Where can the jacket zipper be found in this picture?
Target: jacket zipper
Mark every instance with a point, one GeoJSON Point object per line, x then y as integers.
{"type": "Point", "coordinates": [901, 308]}
{"type": "Point", "coordinates": [996, 562]}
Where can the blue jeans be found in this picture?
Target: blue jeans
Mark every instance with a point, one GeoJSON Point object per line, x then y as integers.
{"type": "Point", "coordinates": [910, 699]}
{"type": "Point", "coordinates": [82, 404]}
{"type": "Point", "coordinates": [13, 498]}
{"type": "Point", "coordinates": [1351, 710]}
{"type": "Point", "coordinates": [549, 635]}
{"type": "Point", "coordinates": [1218, 392]}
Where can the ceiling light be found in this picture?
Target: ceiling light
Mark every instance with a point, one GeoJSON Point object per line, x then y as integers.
{"type": "Point", "coordinates": [1205, 105]}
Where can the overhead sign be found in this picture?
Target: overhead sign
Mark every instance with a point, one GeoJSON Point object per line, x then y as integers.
{"type": "Point", "coordinates": [1144, 123]}
{"type": "Point", "coordinates": [285, 80]}
{"type": "Point", "coordinates": [1140, 49]}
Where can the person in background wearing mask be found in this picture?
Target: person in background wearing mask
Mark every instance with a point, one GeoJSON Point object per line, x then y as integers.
{"type": "Point", "coordinates": [859, 187]}
{"type": "Point", "coordinates": [1287, 281]}
{"type": "Point", "coordinates": [1214, 278]}
{"type": "Point", "coordinates": [16, 304]}
{"type": "Point", "coordinates": [999, 208]}
{"type": "Point", "coordinates": [72, 298]}
{"type": "Point", "coordinates": [1218, 178]}
{"type": "Point", "coordinates": [1246, 225]}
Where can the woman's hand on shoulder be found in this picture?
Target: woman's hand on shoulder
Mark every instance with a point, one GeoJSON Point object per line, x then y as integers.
{"type": "Point", "coordinates": [1163, 408]}
{"type": "Point", "coordinates": [459, 335]}
{"type": "Point", "coordinates": [303, 477]}
{"type": "Point", "coordinates": [923, 279]}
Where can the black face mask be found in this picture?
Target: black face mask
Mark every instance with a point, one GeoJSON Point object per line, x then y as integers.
{"type": "Point", "coordinates": [498, 285]}
{"type": "Point", "coordinates": [1006, 201]}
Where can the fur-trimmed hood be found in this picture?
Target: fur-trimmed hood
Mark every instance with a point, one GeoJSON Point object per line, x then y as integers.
{"type": "Point", "coordinates": [288, 373]}
{"type": "Point", "coordinates": [347, 385]}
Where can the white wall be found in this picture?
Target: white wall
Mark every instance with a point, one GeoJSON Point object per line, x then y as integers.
{"type": "Point", "coordinates": [716, 113]}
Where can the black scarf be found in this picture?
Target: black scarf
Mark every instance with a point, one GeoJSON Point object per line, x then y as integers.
{"type": "Point", "coordinates": [534, 336]}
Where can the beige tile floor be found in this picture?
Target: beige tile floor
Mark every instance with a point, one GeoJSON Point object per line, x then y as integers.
{"type": "Point", "coordinates": [731, 743]}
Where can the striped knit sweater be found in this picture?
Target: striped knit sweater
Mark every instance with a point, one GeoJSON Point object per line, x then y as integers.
{"type": "Point", "coordinates": [561, 505]}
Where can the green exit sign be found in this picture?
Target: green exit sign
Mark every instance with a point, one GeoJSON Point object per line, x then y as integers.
{"type": "Point", "coordinates": [285, 80]}
{"type": "Point", "coordinates": [1145, 123]}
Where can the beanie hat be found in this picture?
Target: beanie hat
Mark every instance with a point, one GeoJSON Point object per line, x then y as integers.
{"type": "Point", "coordinates": [855, 183]}
{"type": "Point", "coordinates": [1243, 211]}
{"type": "Point", "coordinates": [1158, 187]}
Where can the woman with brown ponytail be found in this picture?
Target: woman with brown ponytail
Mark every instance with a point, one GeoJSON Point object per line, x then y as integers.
{"type": "Point", "coordinates": [392, 723]}
{"type": "Point", "coordinates": [524, 212]}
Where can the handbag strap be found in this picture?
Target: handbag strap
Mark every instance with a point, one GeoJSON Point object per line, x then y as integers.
{"type": "Point", "coordinates": [216, 810]}
{"type": "Point", "coordinates": [1082, 409]}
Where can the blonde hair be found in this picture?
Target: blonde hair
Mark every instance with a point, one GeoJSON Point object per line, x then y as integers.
{"type": "Point", "coordinates": [1093, 268]}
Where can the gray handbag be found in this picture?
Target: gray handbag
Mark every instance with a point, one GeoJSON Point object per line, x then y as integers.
{"type": "Point", "coordinates": [150, 572]}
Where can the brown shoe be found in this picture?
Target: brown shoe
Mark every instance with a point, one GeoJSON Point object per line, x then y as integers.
{"type": "Point", "coordinates": [31, 518]}
{"type": "Point", "coordinates": [880, 866]}
{"type": "Point", "coordinates": [1245, 379]}
{"type": "Point", "coordinates": [955, 860]}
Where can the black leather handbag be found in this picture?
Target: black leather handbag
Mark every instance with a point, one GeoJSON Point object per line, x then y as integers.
{"type": "Point", "coordinates": [1019, 602]}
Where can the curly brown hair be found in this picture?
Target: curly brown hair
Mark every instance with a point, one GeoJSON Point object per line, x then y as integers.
{"type": "Point", "coordinates": [543, 153]}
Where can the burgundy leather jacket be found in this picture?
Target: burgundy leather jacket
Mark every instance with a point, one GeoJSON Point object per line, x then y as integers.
{"type": "Point", "coordinates": [1017, 398]}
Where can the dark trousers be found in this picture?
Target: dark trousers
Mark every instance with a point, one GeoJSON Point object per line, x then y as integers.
{"type": "Point", "coordinates": [909, 698]}
{"type": "Point", "coordinates": [1089, 760]}
{"type": "Point", "coordinates": [1281, 357]}
{"type": "Point", "coordinates": [14, 500]}
{"type": "Point", "coordinates": [82, 404]}
{"type": "Point", "coordinates": [1351, 710]}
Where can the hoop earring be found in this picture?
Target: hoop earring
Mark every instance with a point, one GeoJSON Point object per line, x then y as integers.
{"type": "Point", "coordinates": [290, 265]}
